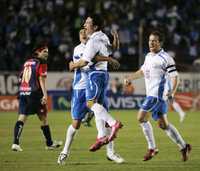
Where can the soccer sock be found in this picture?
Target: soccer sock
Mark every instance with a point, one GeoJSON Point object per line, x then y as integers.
{"type": "Point", "coordinates": [100, 124]}
{"type": "Point", "coordinates": [110, 145]}
{"type": "Point", "coordinates": [175, 136]}
{"type": "Point", "coordinates": [178, 109]}
{"type": "Point", "coordinates": [101, 112]}
{"type": "Point", "coordinates": [148, 133]}
{"type": "Point", "coordinates": [17, 131]}
{"type": "Point", "coordinates": [47, 134]}
{"type": "Point", "coordinates": [71, 131]}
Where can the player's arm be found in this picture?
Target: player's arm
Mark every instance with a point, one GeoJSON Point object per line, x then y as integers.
{"type": "Point", "coordinates": [81, 63]}
{"type": "Point", "coordinates": [113, 62]}
{"type": "Point", "coordinates": [175, 82]}
{"type": "Point", "coordinates": [42, 81]}
{"type": "Point", "coordinates": [115, 43]}
{"type": "Point", "coordinates": [136, 75]}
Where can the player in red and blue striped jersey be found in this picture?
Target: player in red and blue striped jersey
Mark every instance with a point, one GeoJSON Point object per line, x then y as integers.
{"type": "Point", "coordinates": [33, 96]}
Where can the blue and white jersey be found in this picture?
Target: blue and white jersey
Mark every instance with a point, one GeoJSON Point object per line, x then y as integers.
{"type": "Point", "coordinates": [80, 76]}
{"type": "Point", "coordinates": [98, 44]}
{"type": "Point", "coordinates": [155, 68]}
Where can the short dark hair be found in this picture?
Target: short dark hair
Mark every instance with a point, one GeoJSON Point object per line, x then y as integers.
{"type": "Point", "coordinates": [97, 20]}
{"type": "Point", "coordinates": [159, 34]}
{"type": "Point", "coordinates": [38, 47]}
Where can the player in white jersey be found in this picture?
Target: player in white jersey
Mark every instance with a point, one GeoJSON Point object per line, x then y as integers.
{"type": "Point", "coordinates": [157, 64]}
{"type": "Point", "coordinates": [98, 43]}
{"type": "Point", "coordinates": [79, 107]}
{"type": "Point", "coordinates": [175, 105]}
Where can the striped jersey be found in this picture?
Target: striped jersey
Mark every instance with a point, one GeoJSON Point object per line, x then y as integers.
{"type": "Point", "coordinates": [29, 76]}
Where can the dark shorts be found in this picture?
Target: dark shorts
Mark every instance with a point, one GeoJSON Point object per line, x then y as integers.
{"type": "Point", "coordinates": [31, 104]}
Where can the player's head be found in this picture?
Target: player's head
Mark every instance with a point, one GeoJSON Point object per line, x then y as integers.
{"type": "Point", "coordinates": [93, 23]}
{"type": "Point", "coordinates": [156, 40]}
{"type": "Point", "coordinates": [41, 52]}
{"type": "Point", "coordinates": [82, 36]}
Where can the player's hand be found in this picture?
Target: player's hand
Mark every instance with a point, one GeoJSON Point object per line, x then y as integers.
{"type": "Point", "coordinates": [71, 66]}
{"type": "Point", "coordinates": [114, 63]}
{"type": "Point", "coordinates": [170, 97]}
{"type": "Point", "coordinates": [127, 80]}
{"type": "Point", "coordinates": [44, 100]}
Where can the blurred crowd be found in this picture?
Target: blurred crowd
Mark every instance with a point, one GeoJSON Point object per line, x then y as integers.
{"type": "Point", "coordinates": [24, 23]}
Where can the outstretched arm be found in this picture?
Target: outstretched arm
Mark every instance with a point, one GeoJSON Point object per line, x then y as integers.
{"type": "Point", "coordinates": [136, 75]}
{"type": "Point", "coordinates": [115, 43]}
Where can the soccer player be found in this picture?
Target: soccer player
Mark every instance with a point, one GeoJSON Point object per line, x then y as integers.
{"type": "Point", "coordinates": [79, 108]}
{"type": "Point", "coordinates": [98, 43]}
{"type": "Point", "coordinates": [33, 97]}
{"type": "Point", "coordinates": [156, 66]}
{"type": "Point", "coordinates": [175, 105]}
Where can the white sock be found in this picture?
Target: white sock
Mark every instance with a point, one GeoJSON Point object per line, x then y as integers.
{"type": "Point", "coordinates": [148, 132]}
{"type": "Point", "coordinates": [110, 146]}
{"type": "Point", "coordinates": [178, 109]}
{"type": "Point", "coordinates": [175, 136]}
{"type": "Point", "coordinates": [102, 113]}
{"type": "Point", "coordinates": [100, 124]}
{"type": "Point", "coordinates": [71, 131]}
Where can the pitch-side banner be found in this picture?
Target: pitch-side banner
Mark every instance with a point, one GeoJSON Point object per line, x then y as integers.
{"type": "Point", "coordinates": [189, 82]}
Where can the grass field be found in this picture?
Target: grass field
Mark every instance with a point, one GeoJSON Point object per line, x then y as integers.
{"type": "Point", "coordinates": [130, 144]}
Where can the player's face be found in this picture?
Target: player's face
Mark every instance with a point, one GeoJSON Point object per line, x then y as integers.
{"type": "Point", "coordinates": [89, 27]}
{"type": "Point", "coordinates": [43, 54]}
{"type": "Point", "coordinates": [154, 43]}
{"type": "Point", "coordinates": [82, 36]}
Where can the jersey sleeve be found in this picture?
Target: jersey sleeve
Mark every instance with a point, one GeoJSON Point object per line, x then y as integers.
{"type": "Point", "coordinates": [42, 70]}
{"type": "Point", "coordinates": [90, 51]}
{"type": "Point", "coordinates": [171, 67]}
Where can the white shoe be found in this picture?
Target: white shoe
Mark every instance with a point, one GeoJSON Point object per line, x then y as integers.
{"type": "Point", "coordinates": [16, 147]}
{"type": "Point", "coordinates": [116, 158]}
{"type": "Point", "coordinates": [61, 158]}
{"type": "Point", "coordinates": [56, 144]}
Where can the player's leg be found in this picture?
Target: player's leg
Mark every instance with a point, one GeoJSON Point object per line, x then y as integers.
{"type": "Point", "coordinates": [95, 88]}
{"type": "Point", "coordinates": [17, 132]}
{"type": "Point", "coordinates": [42, 115]}
{"type": "Point", "coordinates": [146, 126]}
{"type": "Point", "coordinates": [179, 110]}
{"type": "Point", "coordinates": [175, 136]}
{"type": "Point", "coordinates": [78, 111]}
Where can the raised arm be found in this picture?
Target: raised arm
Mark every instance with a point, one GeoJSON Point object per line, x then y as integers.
{"type": "Point", "coordinates": [136, 75]}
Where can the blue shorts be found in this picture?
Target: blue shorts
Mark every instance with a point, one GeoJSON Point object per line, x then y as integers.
{"type": "Point", "coordinates": [158, 107]}
{"type": "Point", "coordinates": [97, 86]}
{"type": "Point", "coordinates": [31, 104]}
{"type": "Point", "coordinates": [78, 104]}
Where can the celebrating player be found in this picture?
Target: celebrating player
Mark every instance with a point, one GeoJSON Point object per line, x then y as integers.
{"type": "Point", "coordinates": [79, 107]}
{"type": "Point", "coordinates": [157, 64]}
{"type": "Point", "coordinates": [98, 43]}
{"type": "Point", "coordinates": [33, 96]}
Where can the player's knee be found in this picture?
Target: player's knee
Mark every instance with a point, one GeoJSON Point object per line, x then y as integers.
{"type": "Point", "coordinates": [90, 104]}
{"type": "Point", "coordinates": [162, 125]}
{"type": "Point", "coordinates": [76, 124]}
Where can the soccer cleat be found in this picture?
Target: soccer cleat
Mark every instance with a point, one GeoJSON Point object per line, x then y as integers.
{"type": "Point", "coordinates": [61, 158]}
{"type": "Point", "coordinates": [116, 158]}
{"type": "Point", "coordinates": [99, 143]}
{"type": "Point", "coordinates": [150, 153]}
{"type": "Point", "coordinates": [16, 147]}
{"type": "Point", "coordinates": [185, 152]}
{"type": "Point", "coordinates": [56, 144]}
{"type": "Point", "coordinates": [115, 129]}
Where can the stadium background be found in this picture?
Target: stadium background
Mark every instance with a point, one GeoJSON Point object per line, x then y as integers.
{"type": "Point", "coordinates": [24, 23]}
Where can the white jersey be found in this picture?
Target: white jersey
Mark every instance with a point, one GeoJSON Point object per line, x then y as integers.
{"type": "Point", "coordinates": [98, 44]}
{"type": "Point", "coordinates": [155, 69]}
{"type": "Point", "coordinates": [80, 77]}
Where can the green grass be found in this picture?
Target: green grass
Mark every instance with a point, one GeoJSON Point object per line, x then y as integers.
{"type": "Point", "coordinates": [130, 144]}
